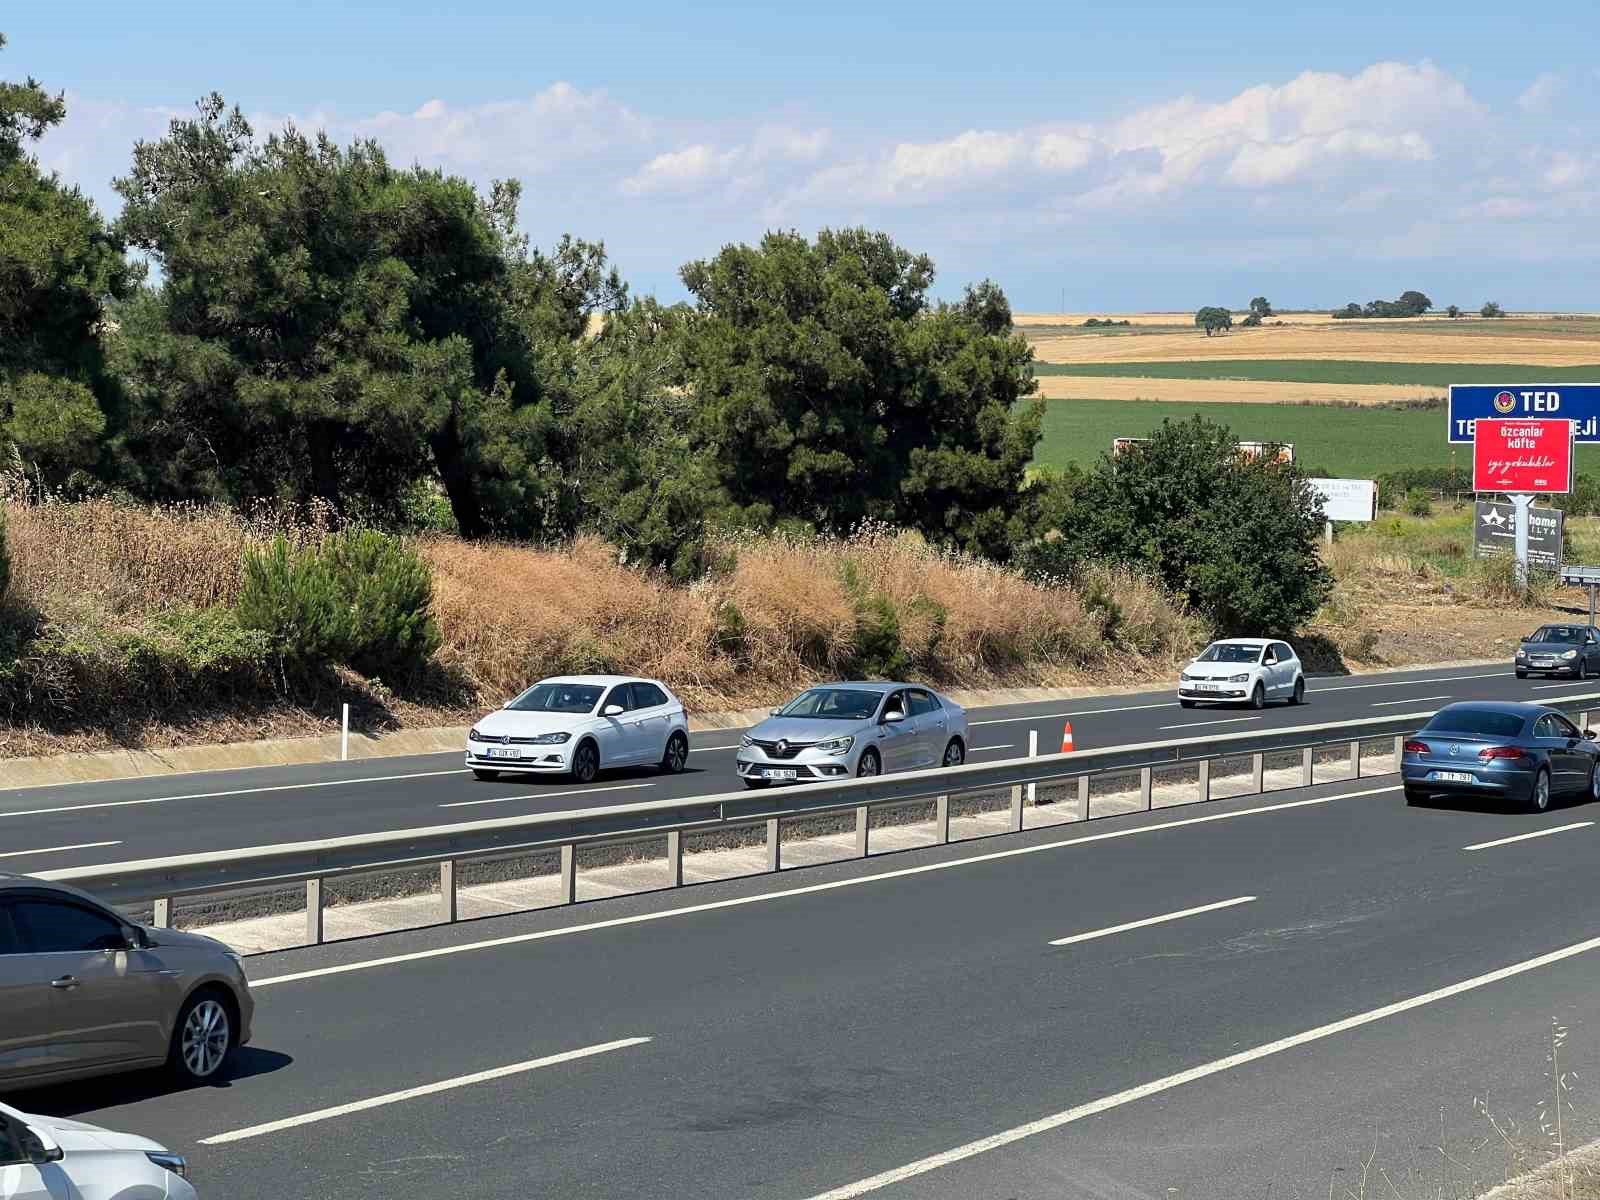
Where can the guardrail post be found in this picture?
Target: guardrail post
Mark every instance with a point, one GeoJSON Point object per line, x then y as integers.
{"type": "Point", "coordinates": [1083, 797]}
{"type": "Point", "coordinates": [863, 826]}
{"type": "Point", "coordinates": [941, 820]}
{"type": "Point", "coordinates": [1016, 808]}
{"type": "Point", "coordinates": [674, 858]}
{"type": "Point", "coordinates": [1305, 767]}
{"type": "Point", "coordinates": [774, 852]}
{"type": "Point", "coordinates": [1033, 752]}
{"type": "Point", "coordinates": [1205, 779]}
{"type": "Point", "coordinates": [1355, 759]}
{"type": "Point", "coordinates": [447, 891]}
{"type": "Point", "coordinates": [569, 874]}
{"type": "Point", "coordinates": [314, 911]}
{"type": "Point", "coordinates": [1399, 749]}
{"type": "Point", "coordinates": [1258, 772]}
{"type": "Point", "coordinates": [1146, 788]}
{"type": "Point", "coordinates": [161, 913]}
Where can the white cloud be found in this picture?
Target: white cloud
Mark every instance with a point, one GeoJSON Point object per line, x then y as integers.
{"type": "Point", "coordinates": [1540, 95]}
{"type": "Point", "coordinates": [680, 170]}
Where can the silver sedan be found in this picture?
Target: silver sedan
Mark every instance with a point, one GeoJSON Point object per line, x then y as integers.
{"type": "Point", "coordinates": [837, 730]}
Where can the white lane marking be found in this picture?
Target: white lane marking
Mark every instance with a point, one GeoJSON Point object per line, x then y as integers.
{"type": "Point", "coordinates": [989, 749]}
{"type": "Point", "coordinates": [1161, 920]}
{"type": "Point", "coordinates": [1546, 687]}
{"type": "Point", "coordinates": [428, 1089]}
{"type": "Point", "coordinates": [614, 787]}
{"type": "Point", "coordinates": [284, 787]}
{"type": "Point", "coordinates": [1523, 837]}
{"type": "Point", "coordinates": [58, 849]}
{"type": "Point", "coordinates": [1408, 700]}
{"type": "Point", "coordinates": [1220, 721]}
{"type": "Point", "coordinates": [1216, 1067]}
{"type": "Point", "coordinates": [704, 749]}
{"type": "Point", "coordinates": [1432, 681]}
{"type": "Point", "coordinates": [811, 889]}
{"type": "Point", "coordinates": [1086, 712]}
{"type": "Point", "coordinates": [1559, 699]}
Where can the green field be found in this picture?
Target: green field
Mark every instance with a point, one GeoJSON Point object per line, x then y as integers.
{"type": "Point", "coordinates": [1355, 443]}
{"type": "Point", "coordinates": [1438, 375]}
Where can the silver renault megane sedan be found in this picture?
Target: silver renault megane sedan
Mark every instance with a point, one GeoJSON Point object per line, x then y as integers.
{"type": "Point", "coordinates": [838, 730]}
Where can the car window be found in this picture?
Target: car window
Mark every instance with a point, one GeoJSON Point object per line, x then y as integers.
{"type": "Point", "coordinates": [54, 927]}
{"type": "Point", "coordinates": [1485, 721]}
{"type": "Point", "coordinates": [1561, 727]}
{"type": "Point", "coordinates": [1564, 634]}
{"type": "Point", "coordinates": [619, 695]}
{"type": "Point", "coordinates": [1544, 727]}
{"type": "Point", "coordinates": [557, 698]}
{"type": "Point", "coordinates": [11, 1152]}
{"type": "Point", "coordinates": [897, 703]}
{"type": "Point", "coordinates": [1285, 651]}
{"type": "Point", "coordinates": [10, 941]}
{"type": "Point", "coordinates": [648, 695]}
{"type": "Point", "coordinates": [833, 704]}
{"type": "Point", "coordinates": [922, 702]}
{"type": "Point", "coordinates": [1223, 652]}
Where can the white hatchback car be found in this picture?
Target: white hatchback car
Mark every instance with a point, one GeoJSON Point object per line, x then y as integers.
{"type": "Point", "coordinates": [47, 1158]}
{"type": "Point", "coordinates": [1252, 670]}
{"type": "Point", "coordinates": [578, 724]}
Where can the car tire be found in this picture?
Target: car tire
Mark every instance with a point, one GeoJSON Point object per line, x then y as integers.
{"type": "Point", "coordinates": [676, 757]}
{"type": "Point", "coordinates": [1299, 696]}
{"type": "Point", "coordinates": [1594, 782]}
{"type": "Point", "coordinates": [1258, 696]}
{"type": "Point", "coordinates": [585, 762]}
{"type": "Point", "coordinates": [204, 1035]}
{"type": "Point", "coordinates": [1539, 793]}
{"type": "Point", "coordinates": [1583, 667]}
{"type": "Point", "coordinates": [869, 764]}
{"type": "Point", "coordinates": [1182, 703]}
{"type": "Point", "coordinates": [1521, 674]}
{"type": "Point", "coordinates": [954, 753]}
{"type": "Point", "coordinates": [485, 776]}
{"type": "Point", "coordinates": [1415, 797]}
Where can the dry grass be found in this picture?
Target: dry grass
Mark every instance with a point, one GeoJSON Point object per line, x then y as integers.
{"type": "Point", "coordinates": [1367, 341]}
{"type": "Point", "coordinates": [1226, 391]}
{"type": "Point", "coordinates": [1025, 320]}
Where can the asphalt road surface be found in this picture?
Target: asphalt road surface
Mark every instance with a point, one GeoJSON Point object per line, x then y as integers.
{"type": "Point", "coordinates": [1243, 999]}
{"type": "Point", "coordinates": [86, 824]}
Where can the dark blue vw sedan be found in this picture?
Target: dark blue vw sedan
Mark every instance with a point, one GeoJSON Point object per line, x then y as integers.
{"type": "Point", "coordinates": [1524, 753]}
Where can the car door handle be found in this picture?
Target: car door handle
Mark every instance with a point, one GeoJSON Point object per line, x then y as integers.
{"type": "Point", "coordinates": [66, 983]}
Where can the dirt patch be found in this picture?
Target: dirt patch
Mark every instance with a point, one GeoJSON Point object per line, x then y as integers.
{"type": "Point", "coordinates": [1367, 341]}
{"type": "Point", "coordinates": [1226, 391]}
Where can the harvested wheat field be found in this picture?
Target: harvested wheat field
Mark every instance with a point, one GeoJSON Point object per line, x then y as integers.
{"type": "Point", "coordinates": [1365, 340]}
{"type": "Point", "coordinates": [1226, 391]}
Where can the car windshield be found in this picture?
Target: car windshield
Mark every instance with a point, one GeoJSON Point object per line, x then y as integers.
{"type": "Point", "coordinates": [1223, 652]}
{"type": "Point", "coordinates": [558, 698]}
{"type": "Point", "coordinates": [1483, 721]}
{"type": "Point", "coordinates": [833, 704]}
{"type": "Point", "coordinates": [1567, 634]}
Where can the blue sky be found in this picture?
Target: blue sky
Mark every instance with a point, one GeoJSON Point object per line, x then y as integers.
{"type": "Point", "coordinates": [1136, 155]}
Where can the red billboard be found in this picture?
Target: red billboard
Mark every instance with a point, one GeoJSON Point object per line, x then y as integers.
{"type": "Point", "coordinates": [1522, 456]}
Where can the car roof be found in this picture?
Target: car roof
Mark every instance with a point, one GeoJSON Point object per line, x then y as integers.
{"type": "Point", "coordinates": [1509, 707]}
{"type": "Point", "coordinates": [14, 883]}
{"type": "Point", "coordinates": [596, 680]}
{"type": "Point", "coordinates": [1242, 642]}
{"type": "Point", "coordinates": [869, 685]}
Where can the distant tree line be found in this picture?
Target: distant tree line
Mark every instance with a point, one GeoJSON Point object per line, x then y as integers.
{"type": "Point", "coordinates": [1410, 304]}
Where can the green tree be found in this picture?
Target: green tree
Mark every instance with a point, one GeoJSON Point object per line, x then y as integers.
{"type": "Point", "coordinates": [334, 327]}
{"type": "Point", "coordinates": [1260, 308]}
{"type": "Point", "coordinates": [1453, 311]}
{"type": "Point", "coordinates": [1213, 319]}
{"type": "Point", "coordinates": [1415, 303]}
{"type": "Point", "coordinates": [1491, 309]}
{"type": "Point", "coordinates": [830, 389]}
{"type": "Point", "coordinates": [1236, 535]}
{"type": "Point", "coordinates": [59, 269]}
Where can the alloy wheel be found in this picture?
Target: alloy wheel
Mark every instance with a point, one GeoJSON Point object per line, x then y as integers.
{"type": "Point", "coordinates": [1541, 792]}
{"type": "Point", "coordinates": [954, 756]}
{"type": "Point", "coordinates": [868, 765]}
{"type": "Point", "coordinates": [677, 754]}
{"type": "Point", "coordinates": [205, 1039]}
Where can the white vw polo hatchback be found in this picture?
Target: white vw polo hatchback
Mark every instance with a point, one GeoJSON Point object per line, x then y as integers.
{"type": "Point", "coordinates": [45, 1158]}
{"type": "Point", "coordinates": [1248, 670]}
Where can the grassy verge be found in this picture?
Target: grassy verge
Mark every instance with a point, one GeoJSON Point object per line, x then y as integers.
{"type": "Point", "coordinates": [1439, 375]}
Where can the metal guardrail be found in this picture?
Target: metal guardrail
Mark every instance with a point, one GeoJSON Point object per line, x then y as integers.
{"type": "Point", "coordinates": [160, 881]}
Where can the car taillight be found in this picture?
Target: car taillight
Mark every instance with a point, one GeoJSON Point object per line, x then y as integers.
{"type": "Point", "coordinates": [1493, 752]}
{"type": "Point", "coordinates": [1417, 748]}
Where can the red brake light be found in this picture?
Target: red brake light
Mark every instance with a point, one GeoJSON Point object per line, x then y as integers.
{"type": "Point", "coordinates": [1493, 752]}
{"type": "Point", "coordinates": [1414, 747]}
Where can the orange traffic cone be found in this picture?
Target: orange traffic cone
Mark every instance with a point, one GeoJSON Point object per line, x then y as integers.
{"type": "Point", "coordinates": [1066, 738]}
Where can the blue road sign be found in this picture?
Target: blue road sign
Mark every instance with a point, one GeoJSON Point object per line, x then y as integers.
{"type": "Point", "coordinates": [1577, 402]}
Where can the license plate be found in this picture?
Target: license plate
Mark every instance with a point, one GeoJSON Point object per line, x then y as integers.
{"type": "Point", "coordinates": [782, 773]}
{"type": "Point", "coordinates": [1451, 776]}
{"type": "Point", "coordinates": [504, 752]}
{"type": "Point", "coordinates": [1208, 687]}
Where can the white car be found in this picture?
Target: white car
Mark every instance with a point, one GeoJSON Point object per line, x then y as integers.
{"type": "Point", "coordinates": [577, 725]}
{"type": "Point", "coordinates": [48, 1158]}
{"type": "Point", "coordinates": [1252, 670]}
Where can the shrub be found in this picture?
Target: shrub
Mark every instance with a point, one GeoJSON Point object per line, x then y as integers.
{"type": "Point", "coordinates": [5, 560]}
{"type": "Point", "coordinates": [293, 598]}
{"type": "Point", "coordinates": [387, 591]}
{"type": "Point", "coordinates": [1419, 503]}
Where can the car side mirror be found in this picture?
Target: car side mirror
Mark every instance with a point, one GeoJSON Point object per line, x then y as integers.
{"type": "Point", "coordinates": [611, 710]}
{"type": "Point", "coordinates": [893, 717]}
{"type": "Point", "coordinates": [39, 1146]}
{"type": "Point", "coordinates": [1588, 735]}
{"type": "Point", "coordinates": [774, 712]}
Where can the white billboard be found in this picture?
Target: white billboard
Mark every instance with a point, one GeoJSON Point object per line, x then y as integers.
{"type": "Point", "coordinates": [1347, 499]}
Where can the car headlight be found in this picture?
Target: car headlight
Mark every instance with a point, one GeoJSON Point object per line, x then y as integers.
{"type": "Point", "coordinates": [1522, 654]}
{"type": "Point", "coordinates": [474, 736]}
{"type": "Point", "coordinates": [1570, 654]}
{"type": "Point", "coordinates": [176, 1163]}
{"type": "Point", "coordinates": [838, 745]}
{"type": "Point", "coordinates": [746, 741]}
{"type": "Point", "coordinates": [550, 739]}
{"type": "Point", "coordinates": [1185, 677]}
{"type": "Point", "coordinates": [1245, 678]}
